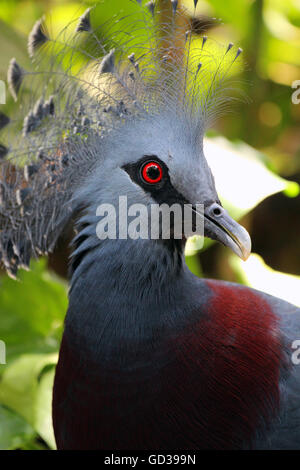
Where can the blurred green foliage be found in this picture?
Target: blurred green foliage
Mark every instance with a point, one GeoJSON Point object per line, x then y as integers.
{"type": "Point", "coordinates": [258, 147]}
{"type": "Point", "coordinates": [32, 312]}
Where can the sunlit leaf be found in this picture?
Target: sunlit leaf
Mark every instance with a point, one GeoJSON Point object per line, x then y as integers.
{"type": "Point", "coordinates": [43, 417]}
{"type": "Point", "coordinates": [242, 178]}
{"type": "Point", "coordinates": [232, 12]}
{"type": "Point", "coordinates": [23, 387]}
{"type": "Point", "coordinates": [15, 432]}
{"type": "Point", "coordinates": [255, 273]}
{"type": "Point", "coordinates": [21, 15]}
{"type": "Point", "coordinates": [13, 44]}
{"type": "Point", "coordinates": [193, 245]}
{"type": "Point", "coordinates": [242, 181]}
{"type": "Point", "coordinates": [32, 311]}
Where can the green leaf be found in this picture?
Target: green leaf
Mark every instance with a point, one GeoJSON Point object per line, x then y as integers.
{"type": "Point", "coordinates": [194, 265]}
{"type": "Point", "coordinates": [43, 417]}
{"type": "Point", "coordinates": [15, 432]}
{"type": "Point", "coordinates": [232, 12]}
{"type": "Point", "coordinates": [14, 45]}
{"type": "Point", "coordinates": [193, 245]}
{"type": "Point", "coordinates": [241, 175]}
{"type": "Point", "coordinates": [103, 13]}
{"type": "Point", "coordinates": [21, 15]}
{"type": "Point", "coordinates": [255, 273]}
{"type": "Point", "coordinates": [242, 179]}
{"type": "Point", "coordinates": [26, 390]}
{"type": "Point", "coordinates": [32, 311]}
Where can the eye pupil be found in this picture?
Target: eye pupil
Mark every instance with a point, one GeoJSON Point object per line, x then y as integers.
{"type": "Point", "coordinates": [152, 172]}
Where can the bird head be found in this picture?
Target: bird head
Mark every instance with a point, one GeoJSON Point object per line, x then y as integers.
{"type": "Point", "coordinates": [130, 123]}
{"type": "Point", "coordinates": [159, 161]}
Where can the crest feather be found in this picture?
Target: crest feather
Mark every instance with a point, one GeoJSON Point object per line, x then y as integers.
{"type": "Point", "coordinates": [4, 120]}
{"type": "Point", "coordinates": [79, 97]}
{"type": "Point", "coordinates": [15, 75]}
{"type": "Point", "coordinates": [36, 38]}
{"type": "Point", "coordinates": [84, 23]}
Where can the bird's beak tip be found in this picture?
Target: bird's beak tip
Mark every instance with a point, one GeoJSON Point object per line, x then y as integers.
{"type": "Point", "coordinates": [245, 255]}
{"type": "Point", "coordinates": [243, 242]}
{"type": "Point", "coordinates": [228, 231]}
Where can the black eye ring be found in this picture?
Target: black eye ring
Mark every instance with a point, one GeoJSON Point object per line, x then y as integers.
{"type": "Point", "coordinates": [152, 172]}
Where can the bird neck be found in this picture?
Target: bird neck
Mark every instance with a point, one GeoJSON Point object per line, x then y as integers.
{"type": "Point", "coordinates": [135, 265]}
{"type": "Point", "coordinates": [132, 285]}
{"type": "Point", "coordinates": [139, 265]}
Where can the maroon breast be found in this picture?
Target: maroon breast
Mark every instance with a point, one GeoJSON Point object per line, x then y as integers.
{"type": "Point", "coordinates": [213, 384]}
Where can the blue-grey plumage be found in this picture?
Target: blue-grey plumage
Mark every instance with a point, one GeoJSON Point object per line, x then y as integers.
{"type": "Point", "coordinates": [125, 335]}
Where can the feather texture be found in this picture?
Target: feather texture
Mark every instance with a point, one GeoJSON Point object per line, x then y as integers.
{"type": "Point", "coordinates": [84, 23]}
{"type": "Point", "coordinates": [152, 357]}
{"type": "Point", "coordinates": [36, 38]}
{"type": "Point", "coordinates": [187, 366]}
{"type": "Point", "coordinates": [15, 77]}
{"type": "Point", "coordinates": [67, 115]}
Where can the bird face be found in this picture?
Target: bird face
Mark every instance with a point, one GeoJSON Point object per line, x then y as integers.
{"type": "Point", "coordinates": [160, 167]}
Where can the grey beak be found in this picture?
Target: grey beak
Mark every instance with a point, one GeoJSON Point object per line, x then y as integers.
{"type": "Point", "coordinates": [219, 226]}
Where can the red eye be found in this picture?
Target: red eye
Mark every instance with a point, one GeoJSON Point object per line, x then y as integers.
{"type": "Point", "coordinates": [152, 172]}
